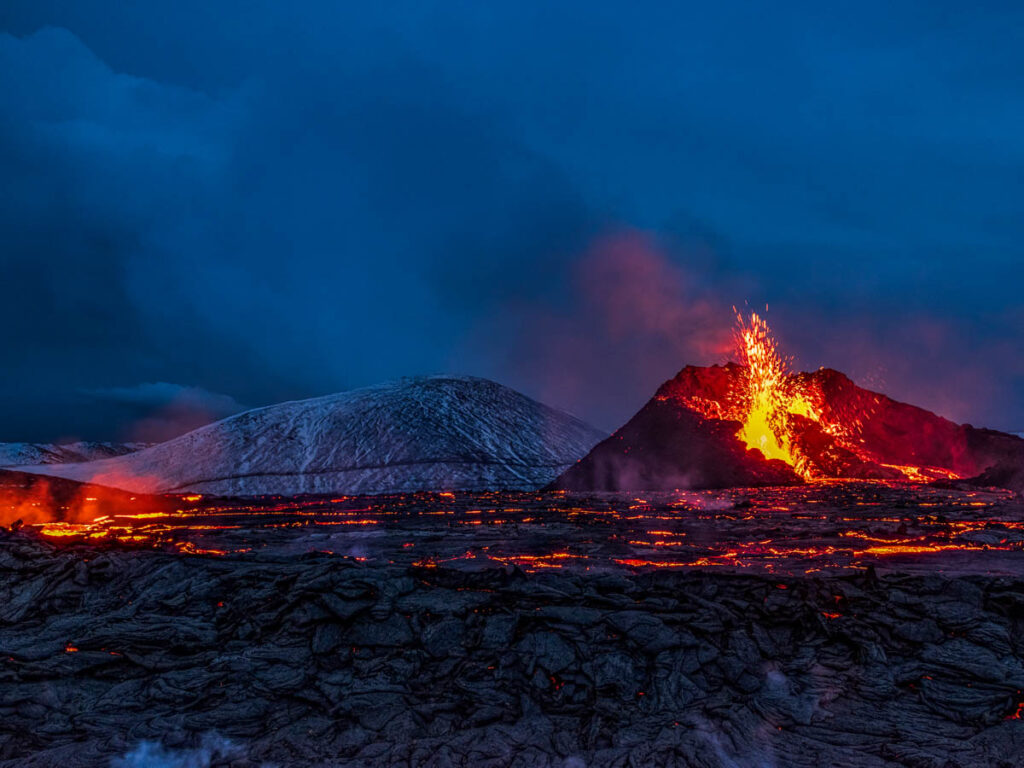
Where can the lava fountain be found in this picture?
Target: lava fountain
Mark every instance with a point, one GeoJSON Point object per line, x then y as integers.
{"type": "Point", "coordinates": [770, 395]}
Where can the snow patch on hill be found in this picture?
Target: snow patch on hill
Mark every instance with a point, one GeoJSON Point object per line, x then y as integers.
{"type": "Point", "coordinates": [425, 433]}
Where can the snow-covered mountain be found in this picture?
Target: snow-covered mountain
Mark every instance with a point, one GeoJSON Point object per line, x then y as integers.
{"type": "Point", "coordinates": [20, 454]}
{"type": "Point", "coordinates": [426, 433]}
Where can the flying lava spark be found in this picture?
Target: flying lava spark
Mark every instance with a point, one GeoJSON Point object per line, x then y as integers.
{"type": "Point", "coordinates": [770, 396]}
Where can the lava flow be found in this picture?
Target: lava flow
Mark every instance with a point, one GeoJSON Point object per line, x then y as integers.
{"type": "Point", "coordinates": [822, 527]}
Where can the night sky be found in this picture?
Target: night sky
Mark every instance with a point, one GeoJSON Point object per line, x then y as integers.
{"type": "Point", "coordinates": [215, 205]}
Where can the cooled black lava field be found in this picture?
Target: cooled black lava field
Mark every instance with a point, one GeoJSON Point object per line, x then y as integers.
{"type": "Point", "coordinates": [838, 624]}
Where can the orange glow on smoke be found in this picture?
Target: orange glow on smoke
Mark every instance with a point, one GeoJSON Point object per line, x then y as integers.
{"type": "Point", "coordinates": [39, 503]}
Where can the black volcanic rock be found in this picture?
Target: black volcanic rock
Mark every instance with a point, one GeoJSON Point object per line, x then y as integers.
{"type": "Point", "coordinates": [1007, 474]}
{"type": "Point", "coordinates": [117, 658]}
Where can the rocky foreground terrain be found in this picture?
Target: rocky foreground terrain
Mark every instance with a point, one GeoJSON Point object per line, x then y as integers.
{"type": "Point", "coordinates": [108, 656]}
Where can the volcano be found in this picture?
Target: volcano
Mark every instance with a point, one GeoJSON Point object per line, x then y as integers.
{"type": "Point", "coordinates": [755, 424]}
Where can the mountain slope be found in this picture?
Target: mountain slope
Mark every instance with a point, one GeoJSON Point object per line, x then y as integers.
{"type": "Point", "coordinates": [20, 454]}
{"type": "Point", "coordinates": [427, 433]}
{"type": "Point", "coordinates": [687, 437]}
{"type": "Point", "coordinates": [667, 448]}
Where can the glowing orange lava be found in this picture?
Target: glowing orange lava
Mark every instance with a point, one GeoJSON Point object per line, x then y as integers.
{"type": "Point", "coordinates": [770, 395]}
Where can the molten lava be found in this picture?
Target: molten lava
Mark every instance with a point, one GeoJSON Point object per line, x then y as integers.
{"type": "Point", "coordinates": [770, 395]}
{"type": "Point", "coordinates": [764, 397]}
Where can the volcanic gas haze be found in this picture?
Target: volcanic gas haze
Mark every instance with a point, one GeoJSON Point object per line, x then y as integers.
{"type": "Point", "coordinates": [755, 423]}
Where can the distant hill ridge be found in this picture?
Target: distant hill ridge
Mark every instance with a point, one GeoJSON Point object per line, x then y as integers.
{"type": "Point", "coordinates": [423, 433]}
{"type": "Point", "coordinates": [20, 454]}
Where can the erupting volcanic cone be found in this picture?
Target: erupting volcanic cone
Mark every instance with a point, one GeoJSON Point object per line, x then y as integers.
{"type": "Point", "coordinates": [668, 446]}
{"type": "Point", "coordinates": [756, 424]}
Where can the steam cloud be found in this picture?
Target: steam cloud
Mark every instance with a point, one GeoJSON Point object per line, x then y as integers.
{"type": "Point", "coordinates": [149, 754]}
{"type": "Point", "coordinates": [168, 409]}
{"type": "Point", "coordinates": [634, 318]}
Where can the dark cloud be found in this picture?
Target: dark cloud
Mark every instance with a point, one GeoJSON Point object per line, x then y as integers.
{"type": "Point", "coordinates": [156, 411]}
{"type": "Point", "coordinates": [162, 393]}
{"type": "Point", "coordinates": [254, 242]}
{"type": "Point", "coordinates": [273, 204]}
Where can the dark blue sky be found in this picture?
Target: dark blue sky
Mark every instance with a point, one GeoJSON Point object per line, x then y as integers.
{"type": "Point", "coordinates": [209, 205]}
